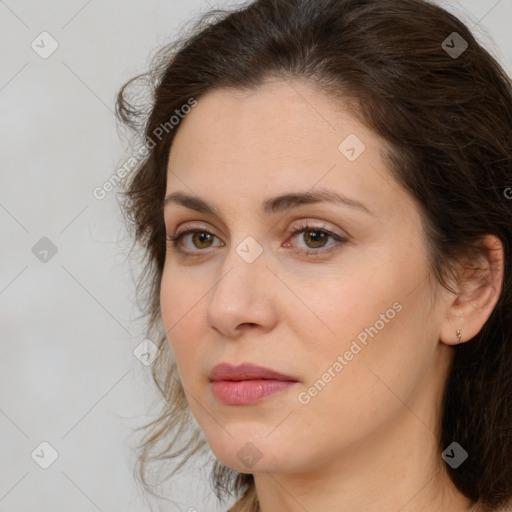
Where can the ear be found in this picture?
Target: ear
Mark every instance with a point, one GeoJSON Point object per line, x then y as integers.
{"type": "Point", "coordinates": [479, 288]}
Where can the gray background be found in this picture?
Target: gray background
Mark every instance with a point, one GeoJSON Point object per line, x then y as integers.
{"type": "Point", "coordinates": [68, 324]}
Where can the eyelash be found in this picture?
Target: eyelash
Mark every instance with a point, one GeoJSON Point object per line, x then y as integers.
{"type": "Point", "coordinates": [174, 240]}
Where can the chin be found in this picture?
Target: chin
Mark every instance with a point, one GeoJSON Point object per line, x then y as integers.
{"type": "Point", "coordinates": [248, 453]}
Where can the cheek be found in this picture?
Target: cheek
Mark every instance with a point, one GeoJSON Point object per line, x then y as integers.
{"type": "Point", "coordinates": [181, 307]}
{"type": "Point", "coordinates": [372, 321]}
{"type": "Point", "coordinates": [351, 398]}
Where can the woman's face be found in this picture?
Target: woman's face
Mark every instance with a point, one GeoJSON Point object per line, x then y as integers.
{"type": "Point", "coordinates": [344, 307]}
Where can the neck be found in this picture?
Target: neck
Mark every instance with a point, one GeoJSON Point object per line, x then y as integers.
{"type": "Point", "coordinates": [400, 468]}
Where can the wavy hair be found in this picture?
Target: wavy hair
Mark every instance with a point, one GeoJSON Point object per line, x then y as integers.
{"type": "Point", "coordinates": [446, 119]}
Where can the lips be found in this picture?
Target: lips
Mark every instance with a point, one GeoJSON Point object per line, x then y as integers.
{"type": "Point", "coordinates": [246, 371]}
{"type": "Point", "coordinates": [247, 384]}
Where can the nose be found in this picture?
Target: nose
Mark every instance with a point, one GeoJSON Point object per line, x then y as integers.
{"type": "Point", "coordinates": [244, 297]}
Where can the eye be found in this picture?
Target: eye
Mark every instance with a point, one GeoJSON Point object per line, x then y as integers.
{"type": "Point", "coordinates": [201, 236]}
{"type": "Point", "coordinates": [315, 238]}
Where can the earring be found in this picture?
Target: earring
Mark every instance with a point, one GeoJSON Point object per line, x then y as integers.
{"type": "Point", "coordinates": [459, 335]}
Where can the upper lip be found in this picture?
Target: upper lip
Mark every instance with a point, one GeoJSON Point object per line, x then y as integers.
{"type": "Point", "coordinates": [245, 371]}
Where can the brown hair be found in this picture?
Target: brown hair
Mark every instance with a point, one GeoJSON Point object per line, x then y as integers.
{"type": "Point", "coordinates": [447, 121]}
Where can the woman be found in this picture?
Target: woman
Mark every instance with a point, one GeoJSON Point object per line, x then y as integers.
{"type": "Point", "coordinates": [325, 206]}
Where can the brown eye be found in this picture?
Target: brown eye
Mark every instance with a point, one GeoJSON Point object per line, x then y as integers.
{"type": "Point", "coordinates": [201, 239]}
{"type": "Point", "coordinates": [315, 238]}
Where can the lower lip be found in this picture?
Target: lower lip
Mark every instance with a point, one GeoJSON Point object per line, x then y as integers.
{"type": "Point", "coordinates": [246, 392]}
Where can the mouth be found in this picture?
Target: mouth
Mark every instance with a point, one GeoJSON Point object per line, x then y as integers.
{"type": "Point", "coordinates": [247, 384]}
{"type": "Point", "coordinates": [246, 371]}
{"type": "Point", "coordinates": [248, 392]}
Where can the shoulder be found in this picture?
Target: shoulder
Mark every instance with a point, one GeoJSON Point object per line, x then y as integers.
{"type": "Point", "coordinates": [237, 507]}
{"type": "Point", "coordinates": [248, 503]}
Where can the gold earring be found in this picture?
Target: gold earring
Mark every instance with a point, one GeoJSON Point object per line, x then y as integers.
{"type": "Point", "coordinates": [459, 335]}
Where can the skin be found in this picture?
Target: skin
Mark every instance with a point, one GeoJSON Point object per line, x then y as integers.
{"type": "Point", "coordinates": [367, 441]}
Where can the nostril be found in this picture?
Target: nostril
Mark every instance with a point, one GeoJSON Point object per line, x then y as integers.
{"type": "Point", "coordinates": [248, 324]}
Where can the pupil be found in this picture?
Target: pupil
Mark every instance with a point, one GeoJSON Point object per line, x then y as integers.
{"type": "Point", "coordinates": [203, 237]}
{"type": "Point", "coordinates": [317, 238]}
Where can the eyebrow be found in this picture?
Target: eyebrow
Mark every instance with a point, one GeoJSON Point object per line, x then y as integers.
{"type": "Point", "coordinates": [272, 205]}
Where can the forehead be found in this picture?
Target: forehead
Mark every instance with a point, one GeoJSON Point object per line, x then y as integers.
{"type": "Point", "coordinates": [274, 138]}
{"type": "Point", "coordinates": [277, 117]}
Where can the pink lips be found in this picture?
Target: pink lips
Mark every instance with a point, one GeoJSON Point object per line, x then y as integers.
{"type": "Point", "coordinates": [247, 384]}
